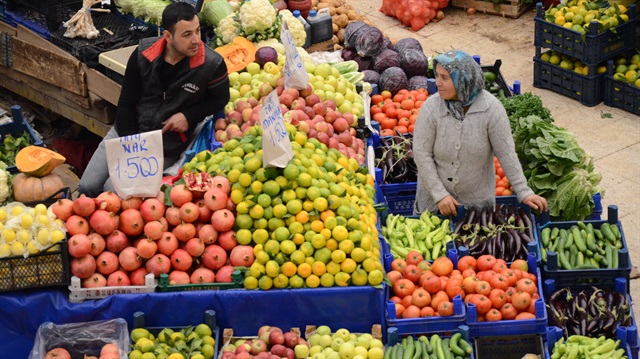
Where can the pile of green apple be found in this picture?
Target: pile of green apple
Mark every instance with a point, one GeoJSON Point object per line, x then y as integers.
{"type": "Point", "coordinates": [188, 343]}
{"type": "Point", "coordinates": [344, 345]}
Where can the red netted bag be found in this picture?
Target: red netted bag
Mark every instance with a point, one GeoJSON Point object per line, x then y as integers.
{"type": "Point", "coordinates": [416, 13]}
{"type": "Point", "coordinates": [388, 7]}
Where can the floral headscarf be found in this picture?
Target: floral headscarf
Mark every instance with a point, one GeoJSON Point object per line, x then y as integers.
{"type": "Point", "coordinates": [467, 78]}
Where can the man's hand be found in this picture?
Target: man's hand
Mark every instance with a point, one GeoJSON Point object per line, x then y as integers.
{"type": "Point", "coordinates": [177, 123]}
{"type": "Point", "coordinates": [536, 202]}
{"type": "Point", "coordinates": [447, 206]}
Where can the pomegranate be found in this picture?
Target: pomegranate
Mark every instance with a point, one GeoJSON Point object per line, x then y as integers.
{"type": "Point", "coordinates": [222, 183]}
{"type": "Point", "coordinates": [107, 263]}
{"type": "Point", "coordinates": [159, 264]}
{"type": "Point", "coordinates": [197, 182]}
{"type": "Point", "coordinates": [189, 212]}
{"type": "Point", "coordinates": [223, 274]}
{"type": "Point", "coordinates": [98, 243]}
{"type": "Point", "coordinates": [137, 276]}
{"type": "Point", "coordinates": [96, 280]}
{"type": "Point", "coordinates": [202, 275]}
{"type": "Point", "coordinates": [205, 213]}
{"type": "Point", "coordinates": [108, 201]}
{"type": "Point", "coordinates": [185, 231]}
{"type": "Point", "coordinates": [79, 245]}
{"type": "Point", "coordinates": [152, 209]}
{"type": "Point", "coordinates": [63, 208]}
{"type": "Point", "coordinates": [131, 222]}
{"type": "Point", "coordinates": [172, 215]}
{"type": "Point", "coordinates": [84, 206]}
{"type": "Point", "coordinates": [215, 199]}
{"type": "Point", "coordinates": [230, 205]}
{"type": "Point", "coordinates": [77, 225]}
{"type": "Point", "coordinates": [167, 243]}
{"type": "Point", "coordinates": [83, 267]}
{"type": "Point", "coordinates": [129, 259]}
{"type": "Point", "coordinates": [180, 195]}
{"type": "Point", "coordinates": [195, 247]}
{"type": "Point", "coordinates": [227, 240]}
{"type": "Point", "coordinates": [153, 229]}
{"type": "Point", "coordinates": [214, 257]}
{"type": "Point", "coordinates": [57, 353]}
{"type": "Point", "coordinates": [208, 234]}
{"type": "Point", "coordinates": [242, 256]}
{"type": "Point", "coordinates": [117, 241]}
{"type": "Point", "coordinates": [131, 202]}
{"type": "Point", "coordinates": [181, 260]}
{"type": "Point", "coordinates": [147, 248]}
{"type": "Point", "coordinates": [118, 279]}
{"type": "Point", "coordinates": [178, 277]}
{"type": "Point", "coordinates": [103, 222]}
{"type": "Point", "coordinates": [222, 220]}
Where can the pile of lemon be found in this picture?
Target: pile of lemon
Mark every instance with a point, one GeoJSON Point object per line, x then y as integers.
{"type": "Point", "coordinates": [627, 71]}
{"type": "Point", "coordinates": [187, 343]}
{"type": "Point", "coordinates": [577, 15]}
{"type": "Point", "coordinates": [569, 63]}
{"type": "Point", "coordinates": [312, 223]}
{"type": "Point", "coordinates": [28, 230]}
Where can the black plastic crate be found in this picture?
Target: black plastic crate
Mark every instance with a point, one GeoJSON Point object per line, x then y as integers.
{"type": "Point", "coordinates": [54, 11]}
{"type": "Point", "coordinates": [591, 48]}
{"type": "Point", "coordinates": [589, 90]}
{"type": "Point", "coordinates": [619, 94]}
{"type": "Point", "coordinates": [500, 81]}
{"type": "Point", "coordinates": [49, 268]}
{"type": "Point", "coordinates": [508, 347]}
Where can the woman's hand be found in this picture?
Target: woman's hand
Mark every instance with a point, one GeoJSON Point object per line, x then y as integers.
{"type": "Point", "coordinates": [536, 202]}
{"type": "Point", "coordinates": [447, 206]}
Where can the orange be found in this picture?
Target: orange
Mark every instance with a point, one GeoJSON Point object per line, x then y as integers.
{"type": "Point", "coordinates": [318, 268]}
{"type": "Point", "coordinates": [348, 265]}
{"type": "Point", "coordinates": [302, 217]}
{"type": "Point", "coordinates": [304, 270]}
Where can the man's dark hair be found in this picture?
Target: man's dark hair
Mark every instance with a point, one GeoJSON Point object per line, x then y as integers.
{"type": "Point", "coordinates": [175, 12]}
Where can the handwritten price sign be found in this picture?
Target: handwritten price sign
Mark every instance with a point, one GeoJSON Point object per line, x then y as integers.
{"type": "Point", "coordinates": [277, 151]}
{"type": "Point", "coordinates": [295, 74]}
{"type": "Point", "coordinates": [136, 164]}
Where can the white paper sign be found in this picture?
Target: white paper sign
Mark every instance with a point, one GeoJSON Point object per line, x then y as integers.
{"type": "Point", "coordinates": [295, 74]}
{"type": "Point", "coordinates": [136, 164]}
{"type": "Point", "coordinates": [277, 151]}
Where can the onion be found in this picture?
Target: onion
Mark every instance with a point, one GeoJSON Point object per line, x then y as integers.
{"type": "Point", "coordinates": [471, 10]}
{"type": "Point", "coordinates": [439, 15]}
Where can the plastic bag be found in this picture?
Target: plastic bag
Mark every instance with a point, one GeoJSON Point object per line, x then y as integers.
{"type": "Point", "coordinates": [81, 338]}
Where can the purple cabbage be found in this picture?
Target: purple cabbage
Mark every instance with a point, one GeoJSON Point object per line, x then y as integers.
{"type": "Point", "coordinates": [266, 54]}
{"type": "Point", "coordinates": [414, 62]}
{"type": "Point", "coordinates": [385, 59]}
{"type": "Point", "coordinates": [349, 54]}
{"type": "Point", "coordinates": [418, 82]}
{"type": "Point", "coordinates": [407, 43]}
{"type": "Point", "coordinates": [387, 44]}
{"type": "Point", "coordinates": [371, 76]}
{"type": "Point", "coordinates": [370, 42]}
{"type": "Point", "coordinates": [393, 79]}
{"type": "Point", "coordinates": [352, 33]}
{"type": "Point", "coordinates": [364, 63]}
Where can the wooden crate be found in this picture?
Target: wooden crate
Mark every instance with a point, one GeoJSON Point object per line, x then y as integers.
{"type": "Point", "coordinates": [506, 8]}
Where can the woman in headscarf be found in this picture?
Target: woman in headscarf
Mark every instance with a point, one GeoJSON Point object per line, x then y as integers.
{"type": "Point", "coordinates": [457, 133]}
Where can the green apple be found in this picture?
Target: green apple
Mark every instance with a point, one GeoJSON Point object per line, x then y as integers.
{"type": "Point", "coordinates": [376, 343]}
{"type": "Point", "coordinates": [315, 349]}
{"type": "Point", "coordinates": [301, 351]}
{"type": "Point", "coordinates": [310, 67]}
{"type": "Point", "coordinates": [323, 329]}
{"type": "Point", "coordinates": [334, 72]}
{"type": "Point", "coordinates": [339, 99]}
{"type": "Point", "coordinates": [353, 338]}
{"type": "Point", "coordinates": [345, 106]}
{"type": "Point", "coordinates": [343, 334]}
{"type": "Point", "coordinates": [244, 78]}
{"type": "Point", "coordinates": [361, 351]}
{"type": "Point", "coordinates": [329, 87]}
{"type": "Point", "coordinates": [328, 350]}
{"type": "Point", "coordinates": [233, 94]}
{"type": "Point", "coordinates": [325, 340]}
{"type": "Point", "coordinates": [342, 86]}
{"type": "Point", "coordinates": [349, 95]}
{"type": "Point", "coordinates": [234, 77]}
{"type": "Point", "coordinates": [375, 353]}
{"type": "Point", "coordinates": [336, 343]}
{"type": "Point", "coordinates": [347, 351]}
{"type": "Point", "coordinates": [363, 341]}
{"type": "Point", "coordinates": [253, 68]}
{"type": "Point", "coordinates": [318, 356]}
{"type": "Point", "coordinates": [271, 68]}
{"type": "Point", "coordinates": [320, 94]}
{"type": "Point", "coordinates": [329, 95]}
{"type": "Point", "coordinates": [255, 83]}
{"type": "Point", "coordinates": [324, 70]}
{"type": "Point", "coordinates": [358, 357]}
{"type": "Point", "coordinates": [333, 355]}
{"type": "Point", "coordinates": [333, 81]}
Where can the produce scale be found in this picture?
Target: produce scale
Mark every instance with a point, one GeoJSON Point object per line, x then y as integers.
{"type": "Point", "coordinates": [238, 256]}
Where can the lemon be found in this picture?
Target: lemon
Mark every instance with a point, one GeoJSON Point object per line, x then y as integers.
{"type": "Point", "coordinates": [3, 214]}
{"type": "Point", "coordinates": [545, 57]}
{"type": "Point", "coordinates": [5, 250]}
{"type": "Point", "coordinates": [631, 76]}
{"type": "Point", "coordinates": [56, 236]}
{"type": "Point", "coordinates": [17, 210]}
{"type": "Point", "coordinates": [17, 248]}
{"type": "Point", "coordinates": [554, 59]}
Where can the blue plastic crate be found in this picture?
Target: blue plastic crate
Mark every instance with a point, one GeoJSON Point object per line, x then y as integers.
{"type": "Point", "coordinates": [16, 128]}
{"type": "Point", "coordinates": [589, 90]}
{"type": "Point", "coordinates": [400, 197]}
{"type": "Point", "coordinates": [554, 334]}
{"type": "Point", "coordinates": [588, 277]}
{"type": "Point", "coordinates": [15, 18]}
{"type": "Point", "coordinates": [619, 94]}
{"type": "Point", "coordinates": [591, 48]}
{"type": "Point", "coordinates": [393, 337]}
{"type": "Point", "coordinates": [511, 327]}
{"type": "Point", "coordinates": [426, 325]}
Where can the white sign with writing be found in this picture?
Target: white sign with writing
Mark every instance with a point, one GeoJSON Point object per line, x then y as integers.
{"type": "Point", "coordinates": [295, 74]}
{"type": "Point", "coordinates": [277, 151]}
{"type": "Point", "coordinates": [136, 164]}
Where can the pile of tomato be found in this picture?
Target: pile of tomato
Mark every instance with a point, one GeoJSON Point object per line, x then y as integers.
{"type": "Point", "coordinates": [398, 113]}
{"type": "Point", "coordinates": [503, 187]}
{"type": "Point", "coordinates": [499, 292]}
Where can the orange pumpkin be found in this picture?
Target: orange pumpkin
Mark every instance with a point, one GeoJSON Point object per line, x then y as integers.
{"type": "Point", "coordinates": [38, 161]}
{"type": "Point", "coordinates": [31, 189]}
{"type": "Point", "coordinates": [238, 53]}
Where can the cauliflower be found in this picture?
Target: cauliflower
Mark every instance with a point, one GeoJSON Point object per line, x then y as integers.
{"type": "Point", "coordinates": [227, 29]}
{"type": "Point", "coordinates": [295, 27]}
{"type": "Point", "coordinates": [257, 15]}
{"type": "Point", "coordinates": [5, 183]}
{"type": "Point", "coordinates": [304, 55]}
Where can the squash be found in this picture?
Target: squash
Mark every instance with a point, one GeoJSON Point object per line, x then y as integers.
{"type": "Point", "coordinates": [32, 189]}
{"type": "Point", "coordinates": [37, 161]}
{"type": "Point", "coordinates": [238, 54]}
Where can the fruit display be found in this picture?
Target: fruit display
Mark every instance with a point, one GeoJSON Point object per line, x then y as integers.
{"type": "Point", "coordinates": [582, 246]}
{"type": "Point", "coordinates": [397, 114]}
{"type": "Point", "coordinates": [394, 157]}
{"type": "Point", "coordinates": [580, 347]}
{"type": "Point", "coordinates": [192, 342]}
{"type": "Point", "coordinates": [569, 63]}
{"type": "Point", "coordinates": [503, 186]}
{"type": "Point", "coordinates": [421, 238]}
{"type": "Point", "coordinates": [28, 230]}
{"type": "Point", "coordinates": [424, 346]}
{"type": "Point", "coordinates": [310, 224]}
{"type": "Point", "coordinates": [343, 344]}
{"type": "Point", "coordinates": [504, 231]}
{"type": "Point", "coordinates": [577, 15]}
{"type": "Point", "coordinates": [271, 342]}
{"type": "Point", "coordinates": [627, 72]}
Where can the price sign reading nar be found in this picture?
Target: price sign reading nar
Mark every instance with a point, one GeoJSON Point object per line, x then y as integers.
{"type": "Point", "coordinates": [136, 164]}
{"type": "Point", "coordinates": [277, 151]}
{"type": "Point", "coordinates": [295, 74]}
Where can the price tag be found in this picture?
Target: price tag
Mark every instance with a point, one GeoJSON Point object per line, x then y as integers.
{"type": "Point", "coordinates": [136, 164]}
{"type": "Point", "coordinates": [277, 151]}
{"type": "Point", "coordinates": [295, 74]}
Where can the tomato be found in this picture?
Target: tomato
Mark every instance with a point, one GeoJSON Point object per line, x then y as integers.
{"type": "Point", "coordinates": [486, 275]}
{"type": "Point", "coordinates": [526, 285]}
{"type": "Point", "coordinates": [498, 298]}
{"type": "Point", "coordinates": [411, 272]}
{"type": "Point", "coordinates": [482, 287]}
{"type": "Point", "coordinates": [532, 277]}
{"type": "Point", "coordinates": [406, 301]}
{"type": "Point", "coordinates": [387, 132]}
{"type": "Point", "coordinates": [421, 97]}
{"type": "Point", "coordinates": [385, 94]}
{"type": "Point", "coordinates": [500, 190]}
{"type": "Point", "coordinates": [394, 275]}
{"type": "Point", "coordinates": [437, 298]}
{"type": "Point", "coordinates": [420, 298]}
{"type": "Point", "coordinates": [467, 262]}
{"type": "Point", "coordinates": [375, 99]}
{"type": "Point", "coordinates": [403, 122]}
{"type": "Point", "coordinates": [507, 192]}
{"type": "Point", "coordinates": [499, 267]}
{"type": "Point", "coordinates": [427, 312]}
{"type": "Point", "coordinates": [521, 300]}
{"type": "Point", "coordinates": [404, 113]}
{"type": "Point", "coordinates": [411, 128]}
{"type": "Point", "coordinates": [403, 287]}
{"type": "Point", "coordinates": [388, 124]}
{"type": "Point", "coordinates": [442, 266]}
{"type": "Point", "coordinates": [391, 112]}
{"type": "Point", "coordinates": [482, 303]}
{"type": "Point", "coordinates": [508, 311]}
{"type": "Point", "coordinates": [469, 284]}
{"type": "Point", "coordinates": [407, 104]}
{"type": "Point", "coordinates": [511, 276]}
{"type": "Point", "coordinates": [379, 117]}
{"type": "Point", "coordinates": [398, 97]}
{"type": "Point", "coordinates": [510, 292]}
{"type": "Point", "coordinates": [518, 272]}
{"type": "Point", "coordinates": [395, 299]}
{"type": "Point", "coordinates": [411, 312]}
{"type": "Point", "coordinates": [402, 129]}
{"type": "Point", "coordinates": [424, 266]}
{"type": "Point", "coordinates": [520, 264]}
{"type": "Point", "coordinates": [375, 110]}
{"type": "Point", "coordinates": [432, 284]}
{"type": "Point", "coordinates": [456, 274]}
{"type": "Point", "coordinates": [499, 281]}
{"type": "Point", "coordinates": [399, 310]}
{"type": "Point", "coordinates": [468, 273]}
{"type": "Point", "coordinates": [398, 264]}
{"type": "Point", "coordinates": [532, 307]}
{"type": "Point", "coordinates": [486, 262]}
{"type": "Point", "coordinates": [445, 309]}
{"type": "Point", "coordinates": [414, 257]}
{"type": "Point", "coordinates": [493, 315]}
{"type": "Point", "coordinates": [525, 316]}
{"type": "Point", "coordinates": [500, 172]}
{"type": "Point", "coordinates": [403, 92]}
{"type": "Point", "coordinates": [454, 288]}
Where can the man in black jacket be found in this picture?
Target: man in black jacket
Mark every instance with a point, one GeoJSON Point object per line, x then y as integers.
{"type": "Point", "coordinates": [171, 84]}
